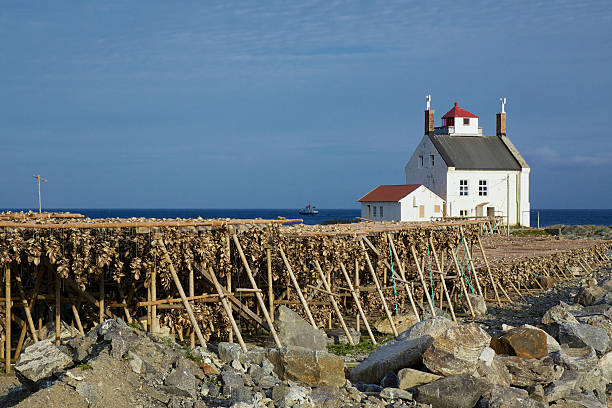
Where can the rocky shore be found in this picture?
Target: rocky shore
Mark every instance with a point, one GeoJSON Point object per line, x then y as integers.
{"type": "Point", "coordinates": [551, 349]}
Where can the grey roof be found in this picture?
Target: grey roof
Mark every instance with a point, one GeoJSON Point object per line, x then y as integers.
{"type": "Point", "coordinates": [475, 152]}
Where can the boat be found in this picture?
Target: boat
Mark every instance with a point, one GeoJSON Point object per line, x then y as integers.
{"type": "Point", "coordinates": [309, 210]}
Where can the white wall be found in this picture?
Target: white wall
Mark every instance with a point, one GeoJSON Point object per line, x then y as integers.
{"type": "Point", "coordinates": [432, 177]}
{"type": "Point", "coordinates": [498, 185]}
{"type": "Point", "coordinates": [407, 209]}
{"type": "Point", "coordinates": [391, 211]}
{"type": "Point", "coordinates": [471, 129]}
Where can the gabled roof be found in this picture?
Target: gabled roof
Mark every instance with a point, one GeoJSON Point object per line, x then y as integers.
{"type": "Point", "coordinates": [389, 193]}
{"type": "Point", "coordinates": [475, 152]}
{"type": "Point", "coordinates": [457, 112]}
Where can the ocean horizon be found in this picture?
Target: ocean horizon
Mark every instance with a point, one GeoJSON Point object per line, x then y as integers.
{"type": "Point", "coordinates": [546, 216]}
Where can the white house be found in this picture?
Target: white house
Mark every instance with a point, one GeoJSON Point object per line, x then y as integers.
{"type": "Point", "coordinates": [404, 202]}
{"type": "Point", "coordinates": [475, 175]}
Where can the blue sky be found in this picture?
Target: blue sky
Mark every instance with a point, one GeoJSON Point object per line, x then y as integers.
{"type": "Point", "coordinates": [271, 105]}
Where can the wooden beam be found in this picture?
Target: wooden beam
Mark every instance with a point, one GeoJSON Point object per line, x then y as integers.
{"type": "Point", "coordinates": [416, 261]}
{"type": "Point", "coordinates": [227, 308]}
{"type": "Point", "coordinates": [448, 299]}
{"type": "Point", "coordinates": [403, 274]}
{"type": "Point", "coordinates": [7, 322]}
{"type": "Point", "coordinates": [358, 303]}
{"type": "Point", "coordinates": [484, 256]}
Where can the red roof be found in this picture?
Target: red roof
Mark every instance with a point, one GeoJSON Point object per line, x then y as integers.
{"type": "Point", "coordinates": [458, 112]}
{"type": "Point", "coordinates": [391, 193]}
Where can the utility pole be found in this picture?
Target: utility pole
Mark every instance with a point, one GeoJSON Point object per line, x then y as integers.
{"type": "Point", "coordinates": [39, 178]}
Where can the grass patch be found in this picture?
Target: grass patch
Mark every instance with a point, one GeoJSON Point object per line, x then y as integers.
{"type": "Point", "coordinates": [135, 326]}
{"type": "Point", "coordinates": [532, 232]}
{"type": "Point", "coordinates": [84, 366]}
{"type": "Point", "coordinates": [196, 359]}
{"type": "Point", "coordinates": [365, 346]}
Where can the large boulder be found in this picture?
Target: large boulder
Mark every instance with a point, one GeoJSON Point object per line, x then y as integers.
{"type": "Point", "coordinates": [492, 370]}
{"type": "Point", "coordinates": [598, 320]}
{"type": "Point", "coordinates": [410, 378]}
{"type": "Point", "coordinates": [457, 350]}
{"type": "Point", "coordinates": [181, 382]}
{"type": "Point", "coordinates": [510, 397]}
{"type": "Point", "coordinates": [590, 295]}
{"type": "Point", "coordinates": [292, 330]}
{"type": "Point", "coordinates": [576, 359]}
{"type": "Point", "coordinates": [306, 366]}
{"type": "Point", "coordinates": [558, 314]}
{"type": "Point", "coordinates": [40, 361]}
{"type": "Point", "coordinates": [455, 391]}
{"type": "Point", "coordinates": [552, 345]}
{"type": "Point", "coordinates": [479, 306]}
{"type": "Point", "coordinates": [433, 327]}
{"type": "Point", "coordinates": [582, 335]}
{"type": "Point", "coordinates": [529, 372]}
{"type": "Point", "coordinates": [402, 323]}
{"type": "Point", "coordinates": [390, 356]}
{"type": "Point", "coordinates": [521, 341]}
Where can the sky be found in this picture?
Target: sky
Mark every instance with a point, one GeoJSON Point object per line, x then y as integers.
{"type": "Point", "coordinates": [275, 104]}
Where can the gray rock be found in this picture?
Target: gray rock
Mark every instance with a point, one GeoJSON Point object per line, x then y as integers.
{"type": "Point", "coordinates": [478, 304]}
{"type": "Point", "coordinates": [40, 361]}
{"type": "Point", "coordinates": [119, 334]}
{"type": "Point", "coordinates": [590, 295]}
{"type": "Point", "coordinates": [181, 382]}
{"type": "Point", "coordinates": [268, 381]}
{"type": "Point", "coordinates": [606, 284]}
{"type": "Point", "coordinates": [136, 363]}
{"type": "Point", "coordinates": [494, 373]}
{"type": "Point", "coordinates": [391, 356]}
{"type": "Point", "coordinates": [580, 400]}
{"type": "Point", "coordinates": [454, 391]}
{"type": "Point", "coordinates": [396, 393]}
{"type": "Point", "coordinates": [433, 327]}
{"type": "Point", "coordinates": [439, 313]}
{"type": "Point", "coordinates": [82, 347]}
{"type": "Point", "coordinates": [557, 315]}
{"type": "Point", "coordinates": [47, 332]}
{"type": "Point", "coordinates": [287, 396]}
{"type": "Point", "coordinates": [402, 323]}
{"type": "Point", "coordinates": [311, 367]}
{"type": "Point", "coordinates": [581, 335]}
{"type": "Point", "coordinates": [510, 397]}
{"type": "Point", "coordinates": [390, 380]}
{"type": "Point", "coordinates": [338, 336]}
{"type": "Point", "coordinates": [325, 396]}
{"type": "Point", "coordinates": [577, 359]}
{"type": "Point", "coordinates": [229, 351]}
{"type": "Point", "coordinates": [233, 386]}
{"type": "Point", "coordinates": [410, 378]}
{"type": "Point", "coordinates": [529, 372]}
{"type": "Point", "coordinates": [292, 330]}
{"type": "Point", "coordinates": [605, 365]}
{"type": "Point", "coordinates": [562, 387]}
{"type": "Point", "coordinates": [88, 391]}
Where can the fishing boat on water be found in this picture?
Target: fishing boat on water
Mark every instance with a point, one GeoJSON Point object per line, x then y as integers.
{"type": "Point", "coordinates": [309, 210]}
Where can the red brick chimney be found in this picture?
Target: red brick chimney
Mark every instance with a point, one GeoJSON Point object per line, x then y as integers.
{"type": "Point", "coordinates": [429, 117]}
{"type": "Point", "coordinates": [501, 119]}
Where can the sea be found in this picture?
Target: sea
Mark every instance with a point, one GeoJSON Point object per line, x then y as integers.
{"type": "Point", "coordinates": [546, 216]}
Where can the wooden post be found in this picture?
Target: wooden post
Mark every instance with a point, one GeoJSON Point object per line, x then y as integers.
{"type": "Point", "coordinates": [504, 292]}
{"type": "Point", "coordinates": [297, 288]}
{"type": "Point", "coordinates": [471, 262]}
{"type": "Point", "coordinates": [154, 322]}
{"type": "Point", "coordinates": [77, 319]}
{"type": "Point", "coordinates": [484, 256]}
{"type": "Point", "coordinates": [357, 289]}
{"type": "Point", "coordinates": [26, 308]}
{"type": "Point", "coordinates": [416, 261]}
{"type": "Point", "coordinates": [270, 287]}
{"type": "Point", "coordinates": [403, 275]}
{"type": "Point", "coordinates": [177, 282]}
{"type": "Point", "coordinates": [258, 293]}
{"type": "Point", "coordinates": [334, 304]}
{"type": "Point", "coordinates": [39, 277]}
{"type": "Point", "coordinates": [191, 294]}
{"type": "Point", "coordinates": [228, 278]}
{"type": "Point", "coordinates": [378, 289]}
{"type": "Point", "coordinates": [465, 292]}
{"type": "Point", "coordinates": [357, 303]}
{"type": "Point", "coordinates": [227, 308]}
{"type": "Point", "coordinates": [7, 322]}
{"type": "Point", "coordinates": [58, 307]}
{"type": "Point", "coordinates": [516, 290]}
{"type": "Point", "coordinates": [448, 299]}
{"type": "Point", "coordinates": [149, 308]}
{"type": "Point", "coordinates": [128, 316]}
{"type": "Point", "coordinates": [101, 301]}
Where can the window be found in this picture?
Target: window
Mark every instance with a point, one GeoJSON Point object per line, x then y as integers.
{"type": "Point", "coordinates": [421, 161]}
{"type": "Point", "coordinates": [381, 212]}
{"type": "Point", "coordinates": [369, 211]}
{"type": "Point", "coordinates": [436, 208]}
{"type": "Point", "coordinates": [463, 187]}
{"type": "Point", "coordinates": [482, 187]}
{"type": "Point", "coordinates": [463, 213]}
{"type": "Point", "coordinates": [466, 121]}
{"type": "Point", "coordinates": [374, 212]}
{"type": "Point", "coordinates": [432, 158]}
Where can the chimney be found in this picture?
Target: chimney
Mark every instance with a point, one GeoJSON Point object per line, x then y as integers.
{"type": "Point", "coordinates": [501, 119]}
{"type": "Point", "coordinates": [429, 117]}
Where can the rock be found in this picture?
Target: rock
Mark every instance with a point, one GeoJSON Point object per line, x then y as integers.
{"type": "Point", "coordinates": [455, 391]}
{"type": "Point", "coordinates": [390, 356]}
{"type": "Point", "coordinates": [493, 372]}
{"type": "Point", "coordinates": [457, 350]}
{"type": "Point", "coordinates": [181, 382]}
{"type": "Point", "coordinates": [47, 332]}
{"type": "Point", "coordinates": [233, 386]}
{"type": "Point", "coordinates": [136, 363]}
{"type": "Point", "coordinates": [479, 306]}
{"type": "Point", "coordinates": [487, 356]}
{"type": "Point", "coordinates": [606, 284]}
{"type": "Point", "coordinates": [229, 352]}
{"type": "Point", "coordinates": [562, 387]}
{"type": "Point", "coordinates": [287, 396]}
{"type": "Point", "coordinates": [292, 330]}
{"type": "Point", "coordinates": [510, 397]}
{"type": "Point", "coordinates": [338, 336]}
{"type": "Point", "coordinates": [551, 344]}
{"type": "Point", "coordinates": [600, 321]}
{"type": "Point", "coordinates": [410, 378]}
{"type": "Point", "coordinates": [590, 295]}
{"type": "Point", "coordinates": [310, 367]}
{"type": "Point", "coordinates": [438, 313]}
{"type": "Point", "coordinates": [546, 282]}
{"type": "Point", "coordinates": [390, 380]}
{"type": "Point", "coordinates": [581, 335]}
{"type": "Point", "coordinates": [88, 391]}
{"type": "Point", "coordinates": [522, 342]}
{"type": "Point", "coordinates": [536, 392]}
{"type": "Point", "coordinates": [557, 315]}
{"type": "Point", "coordinates": [396, 393]}
{"type": "Point", "coordinates": [605, 364]}
{"type": "Point", "coordinates": [120, 335]}
{"type": "Point", "coordinates": [402, 323]}
{"type": "Point", "coordinates": [579, 400]}
{"type": "Point", "coordinates": [577, 359]}
{"type": "Point", "coordinates": [433, 327]}
{"type": "Point", "coordinates": [40, 361]}
{"type": "Point", "coordinates": [208, 369]}
{"type": "Point", "coordinates": [528, 372]}
{"type": "Point", "coordinates": [325, 396]}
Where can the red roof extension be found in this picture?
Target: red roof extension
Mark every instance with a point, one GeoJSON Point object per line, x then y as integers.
{"type": "Point", "coordinates": [458, 112]}
{"type": "Point", "coordinates": [391, 193]}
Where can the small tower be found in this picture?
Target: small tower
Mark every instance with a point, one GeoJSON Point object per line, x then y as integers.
{"type": "Point", "coordinates": [501, 119]}
{"type": "Point", "coordinates": [460, 122]}
{"type": "Point", "coordinates": [429, 117]}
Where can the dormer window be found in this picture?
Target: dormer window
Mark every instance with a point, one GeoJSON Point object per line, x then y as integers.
{"type": "Point", "coordinates": [421, 164]}
{"type": "Point", "coordinates": [466, 121]}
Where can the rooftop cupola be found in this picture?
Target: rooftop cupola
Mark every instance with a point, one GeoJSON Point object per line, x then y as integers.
{"type": "Point", "coordinates": [459, 122]}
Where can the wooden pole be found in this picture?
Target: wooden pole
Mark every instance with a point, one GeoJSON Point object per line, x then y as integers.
{"type": "Point", "coordinates": [484, 256]}
{"type": "Point", "coordinates": [465, 292]}
{"type": "Point", "coordinates": [58, 307]}
{"type": "Point", "coordinates": [257, 294]}
{"type": "Point", "coordinates": [504, 292]}
{"type": "Point", "coordinates": [128, 316]}
{"type": "Point", "coordinates": [297, 288]}
{"type": "Point", "coordinates": [357, 303]}
{"type": "Point", "coordinates": [334, 304]}
{"type": "Point", "coordinates": [357, 289]}
{"type": "Point", "coordinates": [7, 323]}
{"type": "Point", "coordinates": [516, 290]}
{"type": "Point", "coordinates": [227, 308]}
{"type": "Point", "coordinates": [149, 325]}
{"type": "Point", "coordinates": [270, 287]}
{"type": "Point", "coordinates": [154, 322]}
{"type": "Point", "coordinates": [471, 261]}
{"type": "Point", "coordinates": [403, 275]}
{"type": "Point", "coordinates": [77, 319]}
{"type": "Point", "coordinates": [101, 301]}
{"type": "Point", "coordinates": [378, 289]}
{"type": "Point", "coordinates": [448, 299]}
{"type": "Point", "coordinates": [191, 294]}
{"type": "Point", "coordinates": [39, 277]}
{"type": "Point", "coordinates": [177, 282]}
{"type": "Point", "coordinates": [416, 261]}
{"type": "Point", "coordinates": [26, 308]}
{"type": "Point", "coordinates": [228, 277]}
